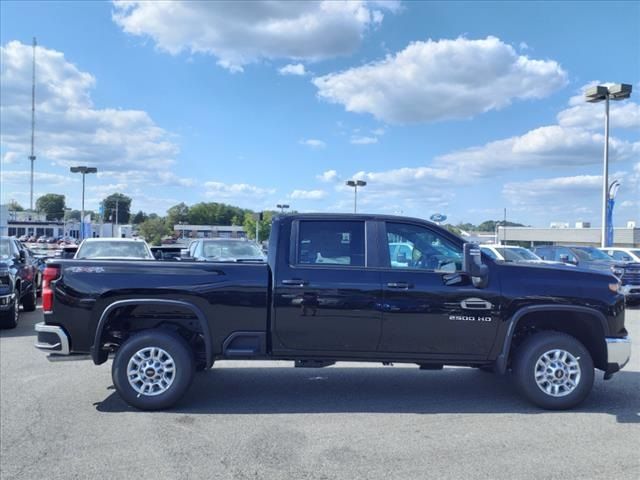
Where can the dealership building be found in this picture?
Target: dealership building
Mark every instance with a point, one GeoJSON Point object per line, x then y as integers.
{"type": "Point", "coordinates": [622, 237]}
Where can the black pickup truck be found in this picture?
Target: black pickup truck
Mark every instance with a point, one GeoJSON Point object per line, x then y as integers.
{"type": "Point", "coordinates": [18, 281]}
{"type": "Point", "coordinates": [340, 288]}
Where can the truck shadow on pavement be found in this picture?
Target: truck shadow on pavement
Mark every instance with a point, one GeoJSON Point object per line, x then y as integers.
{"type": "Point", "coordinates": [238, 391]}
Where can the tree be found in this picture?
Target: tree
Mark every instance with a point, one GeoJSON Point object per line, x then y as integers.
{"type": "Point", "coordinates": [264, 227]}
{"type": "Point", "coordinates": [15, 206]}
{"type": "Point", "coordinates": [153, 229]}
{"type": "Point", "coordinates": [139, 217]}
{"type": "Point", "coordinates": [74, 215]}
{"type": "Point", "coordinates": [178, 213]}
{"type": "Point", "coordinates": [109, 208]}
{"type": "Point", "coordinates": [52, 205]}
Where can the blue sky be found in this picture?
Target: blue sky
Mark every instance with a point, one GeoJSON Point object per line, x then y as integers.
{"type": "Point", "coordinates": [459, 108]}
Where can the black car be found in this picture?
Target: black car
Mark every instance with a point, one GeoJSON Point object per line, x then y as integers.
{"type": "Point", "coordinates": [593, 258]}
{"type": "Point", "coordinates": [18, 281]}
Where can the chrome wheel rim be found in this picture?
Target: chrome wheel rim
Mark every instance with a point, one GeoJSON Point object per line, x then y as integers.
{"type": "Point", "coordinates": [151, 371]}
{"type": "Point", "coordinates": [16, 310]}
{"type": "Point", "coordinates": [557, 373]}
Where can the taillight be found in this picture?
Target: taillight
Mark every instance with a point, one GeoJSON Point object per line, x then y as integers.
{"type": "Point", "coordinates": [50, 274]}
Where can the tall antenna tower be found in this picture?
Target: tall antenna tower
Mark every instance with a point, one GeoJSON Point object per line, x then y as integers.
{"type": "Point", "coordinates": [32, 157]}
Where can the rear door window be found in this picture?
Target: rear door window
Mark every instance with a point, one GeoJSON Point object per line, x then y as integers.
{"type": "Point", "coordinates": [331, 243]}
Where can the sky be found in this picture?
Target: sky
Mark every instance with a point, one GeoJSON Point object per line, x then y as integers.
{"type": "Point", "coordinates": [457, 108]}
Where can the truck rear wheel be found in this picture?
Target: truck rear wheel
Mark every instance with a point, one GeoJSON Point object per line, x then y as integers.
{"type": "Point", "coordinates": [153, 369]}
{"type": "Point", "coordinates": [553, 370]}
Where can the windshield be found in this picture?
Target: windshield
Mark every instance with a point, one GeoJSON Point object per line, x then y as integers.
{"type": "Point", "coordinates": [232, 249]}
{"type": "Point", "coordinates": [5, 249]}
{"type": "Point", "coordinates": [517, 254]}
{"type": "Point", "coordinates": [592, 253]}
{"type": "Point", "coordinates": [110, 249]}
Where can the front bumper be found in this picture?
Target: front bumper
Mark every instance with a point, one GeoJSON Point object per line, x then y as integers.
{"type": "Point", "coordinates": [618, 353]}
{"type": "Point", "coordinates": [52, 339]}
{"type": "Point", "coordinates": [6, 301]}
{"type": "Point", "coordinates": [630, 291]}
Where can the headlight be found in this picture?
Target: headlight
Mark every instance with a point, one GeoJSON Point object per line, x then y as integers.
{"type": "Point", "coordinates": [617, 271]}
{"type": "Point", "coordinates": [614, 287]}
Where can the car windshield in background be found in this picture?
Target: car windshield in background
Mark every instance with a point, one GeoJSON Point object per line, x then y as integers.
{"type": "Point", "coordinates": [232, 250]}
{"type": "Point", "coordinates": [517, 254]}
{"type": "Point", "coordinates": [592, 253]}
{"type": "Point", "coordinates": [5, 249]}
{"type": "Point", "coordinates": [107, 249]}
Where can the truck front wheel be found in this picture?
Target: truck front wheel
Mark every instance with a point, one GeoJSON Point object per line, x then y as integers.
{"type": "Point", "coordinates": [153, 369]}
{"type": "Point", "coordinates": [553, 370]}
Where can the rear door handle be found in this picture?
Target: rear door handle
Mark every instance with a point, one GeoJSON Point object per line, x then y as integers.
{"type": "Point", "coordinates": [400, 285]}
{"type": "Point", "coordinates": [295, 282]}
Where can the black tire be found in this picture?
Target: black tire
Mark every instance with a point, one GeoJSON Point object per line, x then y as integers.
{"type": "Point", "coordinates": [30, 300]}
{"type": "Point", "coordinates": [9, 318]}
{"type": "Point", "coordinates": [524, 369]}
{"type": "Point", "coordinates": [183, 363]}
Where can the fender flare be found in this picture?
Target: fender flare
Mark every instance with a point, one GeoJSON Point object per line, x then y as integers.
{"type": "Point", "coordinates": [501, 361]}
{"type": "Point", "coordinates": [98, 355]}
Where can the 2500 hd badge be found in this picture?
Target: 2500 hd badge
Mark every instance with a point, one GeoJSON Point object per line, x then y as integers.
{"type": "Point", "coordinates": [469, 318]}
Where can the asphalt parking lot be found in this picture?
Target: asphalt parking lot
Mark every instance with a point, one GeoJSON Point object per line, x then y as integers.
{"type": "Point", "coordinates": [252, 420]}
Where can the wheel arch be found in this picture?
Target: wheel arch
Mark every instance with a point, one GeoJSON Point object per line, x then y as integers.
{"type": "Point", "coordinates": [587, 325]}
{"type": "Point", "coordinates": [99, 355]}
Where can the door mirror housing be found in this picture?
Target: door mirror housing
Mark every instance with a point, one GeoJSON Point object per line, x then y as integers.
{"type": "Point", "coordinates": [567, 259]}
{"type": "Point", "coordinates": [184, 254]}
{"type": "Point", "coordinates": [158, 255]}
{"type": "Point", "coordinates": [22, 255]}
{"type": "Point", "coordinates": [472, 265]}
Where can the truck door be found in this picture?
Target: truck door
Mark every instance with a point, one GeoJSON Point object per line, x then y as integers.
{"type": "Point", "coordinates": [325, 296]}
{"type": "Point", "coordinates": [422, 314]}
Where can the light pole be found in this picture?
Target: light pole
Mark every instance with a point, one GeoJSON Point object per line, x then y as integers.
{"type": "Point", "coordinates": [282, 207]}
{"type": "Point", "coordinates": [83, 170]}
{"type": "Point", "coordinates": [355, 184]}
{"type": "Point", "coordinates": [618, 91]}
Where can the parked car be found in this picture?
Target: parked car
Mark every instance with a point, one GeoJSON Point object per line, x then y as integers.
{"type": "Point", "coordinates": [225, 250]}
{"type": "Point", "coordinates": [595, 259]}
{"type": "Point", "coordinates": [513, 253]}
{"type": "Point", "coordinates": [328, 293]}
{"type": "Point", "coordinates": [18, 282]}
{"type": "Point", "coordinates": [114, 248]}
{"type": "Point", "coordinates": [623, 254]}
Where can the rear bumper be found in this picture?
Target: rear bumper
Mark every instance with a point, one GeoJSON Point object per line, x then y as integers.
{"type": "Point", "coordinates": [52, 339]}
{"type": "Point", "coordinates": [618, 353]}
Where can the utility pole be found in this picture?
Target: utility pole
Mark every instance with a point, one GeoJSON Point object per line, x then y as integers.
{"type": "Point", "coordinates": [32, 157]}
{"type": "Point", "coordinates": [117, 217]}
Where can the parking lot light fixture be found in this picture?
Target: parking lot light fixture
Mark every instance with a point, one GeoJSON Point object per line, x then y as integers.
{"type": "Point", "coordinates": [595, 94]}
{"type": "Point", "coordinates": [83, 170]}
{"type": "Point", "coordinates": [282, 207]}
{"type": "Point", "coordinates": [355, 184]}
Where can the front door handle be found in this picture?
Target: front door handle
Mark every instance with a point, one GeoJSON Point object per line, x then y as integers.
{"type": "Point", "coordinates": [475, 304]}
{"type": "Point", "coordinates": [400, 285]}
{"type": "Point", "coordinates": [295, 282]}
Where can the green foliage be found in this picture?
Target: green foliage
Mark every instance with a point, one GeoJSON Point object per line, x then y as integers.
{"type": "Point", "coordinates": [212, 213]}
{"type": "Point", "coordinates": [52, 204]}
{"type": "Point", "coordinates": [74, 215]}
{"type": "Point", "coordinates": [264, 228]}
{"type": "Point", "coordinates": [153, 229]}
{"type": "Point", "coordinates": [15, 206]}
{"type": "Point", "coordinates": [453, 229]}
{"type": "Point", "coordinates": [109, 208]}
{"type": "Point", "coordinates": [178, 213]}
{"type": "Point", "coordinates": [139, 217]}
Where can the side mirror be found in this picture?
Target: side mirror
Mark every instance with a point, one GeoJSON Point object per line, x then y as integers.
{"type": "Point", "coordinates": [402, 258]}
{"type": "Point", "coordinates": [567, 259]}
{"type": "Point", "coordinates": [472, 265]}
{"type": "Point", "coordinates": [184, 254]}
{"type": "Point", "coordinates": [158, 255]}
{"type": "Point", "coordinates": [22, 255]}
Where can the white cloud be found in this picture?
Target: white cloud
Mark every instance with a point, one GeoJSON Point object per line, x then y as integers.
{"type": "Point", "coordinates": [293, 69]}
{"type": "Point", "coordinates": [313, 143]}
{"type": "Point", "coordinates": [439, 80]}
{"type": "Point", "coordinates": [328, 176]}
{"type": "Point", "coordinates": [235, 191]}
{"type": "Point", "coordinates": [10, 157]}
{"type": "Point", "coordinates": [545, 190]}
{"type": "Point", "coordinates": [69, 130]}
{"type": "Point", "coordinates": [47, 180]}
{"type": "Point", "coordinates": [622, 113]}
{"type": "Point", "coordinates": [551, 145]}
{"type": "Point", "coordinates": [363, 140]}
{"type": "Point", "coordinates": [239, 33]}
{"type": "Point", "coordinates": [308, 194]}
{"type": "Point", "coordinates": [378, 132]}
